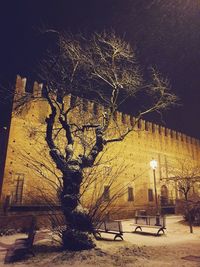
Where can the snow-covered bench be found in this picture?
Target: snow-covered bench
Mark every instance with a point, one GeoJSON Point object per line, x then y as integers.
{"type": "Point", "coordinates": [158, 222]}
{"type": "Point", "coordinates": [109, 227]}
{"type": "Point", "coordinates": [22, 246]}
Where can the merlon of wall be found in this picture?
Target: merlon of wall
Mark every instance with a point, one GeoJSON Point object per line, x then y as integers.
{"type": "Point", "coordinates": [20, 87]}
{"type": "Point", "coordinates": [37, 89]}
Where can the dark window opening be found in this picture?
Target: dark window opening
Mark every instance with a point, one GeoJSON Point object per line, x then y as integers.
{"type": "Point", "coordinates": [150, 194]}
{"type": "Point", "coordinates": [130, 194]}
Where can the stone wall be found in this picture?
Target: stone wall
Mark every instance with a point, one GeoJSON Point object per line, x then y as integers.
{"type": "Point", "coordinates": [148, 141]}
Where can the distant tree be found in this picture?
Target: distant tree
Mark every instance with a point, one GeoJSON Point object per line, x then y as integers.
{"type": "Point", "coordinates": [104, 68]}
{"type": "Point", "coordinates": [186, 175]}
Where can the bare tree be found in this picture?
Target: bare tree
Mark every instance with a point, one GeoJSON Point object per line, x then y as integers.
{"type": "Point", "coordinates": [103, 67]}
{"type": "Point", "coordinates": [47, 184]}
{"type": "Point", "coordinates": [185, 175]}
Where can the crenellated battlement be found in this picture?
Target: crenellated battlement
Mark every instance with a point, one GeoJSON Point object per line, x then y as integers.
{"type": "Point", "coordinates": [95, 108]}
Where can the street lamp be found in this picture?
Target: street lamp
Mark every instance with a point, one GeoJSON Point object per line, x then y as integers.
{"type": "Point", "coordinates": [154, 165]}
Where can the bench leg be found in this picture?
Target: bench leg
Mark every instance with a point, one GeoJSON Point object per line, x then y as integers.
{"type": "Point", "coordinates": [118, 235]}
{"type": "Point", "coordinates": [97, 235]}
{"type": "Point", "coordinates": [160, 230]}
{"type": "Point", "coordinates": [138, 227]}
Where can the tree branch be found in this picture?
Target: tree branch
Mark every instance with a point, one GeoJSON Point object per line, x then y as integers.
{"type": "Point", "coordinates": [54, 151]}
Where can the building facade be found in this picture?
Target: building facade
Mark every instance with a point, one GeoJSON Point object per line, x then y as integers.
{"type": "Point", "coordinates": [27, 155]}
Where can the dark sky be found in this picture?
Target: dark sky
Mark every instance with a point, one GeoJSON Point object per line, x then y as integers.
{"type": "Point", "coordinates": [165, 33]}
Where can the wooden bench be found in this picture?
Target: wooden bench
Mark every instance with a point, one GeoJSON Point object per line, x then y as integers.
{"type": "Point", "coordinates": [22, 246]}
{"type": "Point", "coordinates": [109, 227]}
{"type": "Point", "coordinates": [157, 222]}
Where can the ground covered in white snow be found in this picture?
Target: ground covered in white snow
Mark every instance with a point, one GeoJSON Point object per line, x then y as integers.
{"type": "Point", "coordinates": [176, 248]}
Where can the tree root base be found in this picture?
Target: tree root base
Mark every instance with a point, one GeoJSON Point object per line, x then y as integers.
{"type": "Point", "coordinates": [75, 240]}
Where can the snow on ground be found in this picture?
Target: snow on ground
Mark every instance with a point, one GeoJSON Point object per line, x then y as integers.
{"type": "Point", "coordinates": [176, 248]}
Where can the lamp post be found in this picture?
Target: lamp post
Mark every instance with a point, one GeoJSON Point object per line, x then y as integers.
{"type": "Point", "coordinates": [154, 165]}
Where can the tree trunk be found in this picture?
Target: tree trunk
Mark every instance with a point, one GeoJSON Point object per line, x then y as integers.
{"type": "Point", "coordinates": [79, 225]}
{"type": "Point", "coordinates": [189, 218]}
{"type": "Point", "coordinates": [189, 214]}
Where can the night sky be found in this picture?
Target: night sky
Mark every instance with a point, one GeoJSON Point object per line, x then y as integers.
{"type": "Point", "coordinates": [164, 33]}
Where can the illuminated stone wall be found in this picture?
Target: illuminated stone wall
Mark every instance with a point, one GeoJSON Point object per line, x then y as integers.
{"type": "Point", "coordinates": [148, 141]}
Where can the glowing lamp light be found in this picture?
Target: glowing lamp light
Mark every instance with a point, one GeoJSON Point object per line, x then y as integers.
{"type": "Point", "coordinates": [153, 164]}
